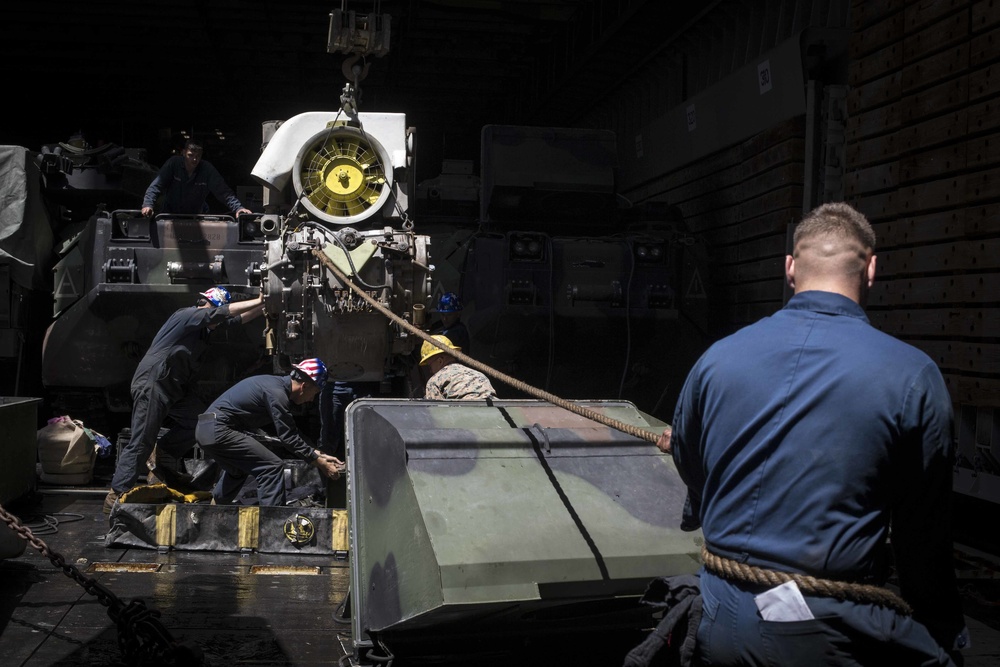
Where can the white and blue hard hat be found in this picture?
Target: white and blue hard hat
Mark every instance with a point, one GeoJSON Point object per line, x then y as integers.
{"type": "Point", "coordinates": [217, 296]}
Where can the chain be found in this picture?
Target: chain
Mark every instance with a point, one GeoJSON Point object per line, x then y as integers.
{"type": "Point", "coordinates": [142, 638]}
{"type": "Point", "coordinates": [631, 429]}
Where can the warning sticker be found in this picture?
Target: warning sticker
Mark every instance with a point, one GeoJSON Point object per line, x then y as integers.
{"type": "Point", "coordinates": [696, 288]}
{"type": "Point", "coordinates": [66, 286]}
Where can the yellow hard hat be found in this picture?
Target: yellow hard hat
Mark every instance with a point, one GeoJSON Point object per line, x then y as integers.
{"type": "Point", "coordinates": [428, 350]}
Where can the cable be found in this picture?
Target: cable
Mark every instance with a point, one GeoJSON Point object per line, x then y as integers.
{"type": "Point", "coordinates": [628, 317]}
{"type": "Point", "coordinates": [636, 431]}
{"type": "Point", "coordinates": [332, 235]}
{"type": "Point", "coordinates": [552, 317]}
{"type": "Point", "coordinates": [48, 524]}
{"type": "Point", "coordinates": [338, 615]}
{"type": "Point", "coordinates": [354, 270]}
{"type": "Point", "coordinates": [663, 393]}
{"type": "Point", "coordinates": [383, 659]}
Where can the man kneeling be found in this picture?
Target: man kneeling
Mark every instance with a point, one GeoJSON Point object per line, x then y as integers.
{"type": "Point", "coordinates": [223, 432]}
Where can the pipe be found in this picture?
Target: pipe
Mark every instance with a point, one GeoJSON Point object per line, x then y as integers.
{"type": "Point", "coordinates": [72, 491]}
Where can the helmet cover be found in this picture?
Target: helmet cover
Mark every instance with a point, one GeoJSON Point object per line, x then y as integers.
{"type": "Point", "coordinates": [449, 303]}
{"type": "Point", "coordinates": [314, 369]}
{"type": "Point", "coordinates": [217, 296]}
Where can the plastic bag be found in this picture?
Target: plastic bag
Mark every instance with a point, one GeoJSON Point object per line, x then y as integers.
{"type": "Point", "coordinates": [102, 444]}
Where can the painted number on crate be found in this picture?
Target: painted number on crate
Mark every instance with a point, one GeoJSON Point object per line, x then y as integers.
{"type": "Point", "coordinates": [764, 76]}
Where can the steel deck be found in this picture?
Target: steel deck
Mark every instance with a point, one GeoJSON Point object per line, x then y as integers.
{"type": "Point", "coordinates": [255, 609]}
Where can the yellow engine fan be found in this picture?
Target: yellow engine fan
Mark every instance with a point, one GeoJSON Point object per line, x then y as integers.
{"type": "Point", "coordinates": [342, 175]}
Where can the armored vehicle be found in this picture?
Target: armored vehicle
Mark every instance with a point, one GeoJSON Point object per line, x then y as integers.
{"type": "Point", "coordinates": [120, 279]}
{"type": "Point", "coordinates": [119, 275]}
{"type": "Point", "coordinates": [333, 183]}
{"type": "Point", "coordinates": [567, 285]}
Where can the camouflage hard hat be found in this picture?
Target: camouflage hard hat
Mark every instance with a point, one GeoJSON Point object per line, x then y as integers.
{"type": "Point", "coordinates": [428, 350]}
{"type": "Point", "coordinates": [217, 296]}
{"type": "Point", "coordinates": [310, 369]}
{"type": "Point", "coordinates": [449, 303]}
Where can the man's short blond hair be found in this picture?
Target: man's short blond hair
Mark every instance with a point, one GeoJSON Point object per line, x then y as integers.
{"type": "Point", "coordinates": [834, 239]}
{"type": "Point", "coordinates": [836, 219]}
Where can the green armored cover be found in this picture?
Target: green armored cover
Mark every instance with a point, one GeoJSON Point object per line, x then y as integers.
{"type": "Point", "coordinates": [464, 510]}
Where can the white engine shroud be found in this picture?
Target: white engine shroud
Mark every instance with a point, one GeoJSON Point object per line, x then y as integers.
{"type": "Point", "coordinates": [384, 136]}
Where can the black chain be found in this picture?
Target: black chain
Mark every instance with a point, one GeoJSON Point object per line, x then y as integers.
{"type": "Point", "coordinates": [142, 638]}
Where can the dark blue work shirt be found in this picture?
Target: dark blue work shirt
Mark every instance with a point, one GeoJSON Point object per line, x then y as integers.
{"type": "Point", "coordinates": [187, 193]}
{"type": "Point", "coordinates": [260, 400]}
{"type": "Point", "coordinates": [803, 436]}
{"type": "Point", "coordinates": [179, 343]}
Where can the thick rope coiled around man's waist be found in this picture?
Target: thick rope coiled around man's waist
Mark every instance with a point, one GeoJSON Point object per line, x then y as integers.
{"type": "Point", "coordinates": [732, 570]}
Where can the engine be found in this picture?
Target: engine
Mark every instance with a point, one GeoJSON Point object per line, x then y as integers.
{"type": "Point", "coordinates": [336, 199]}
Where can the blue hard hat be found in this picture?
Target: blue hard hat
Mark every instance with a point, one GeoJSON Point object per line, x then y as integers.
{"type": "Point", "coordinates": [449, 303]}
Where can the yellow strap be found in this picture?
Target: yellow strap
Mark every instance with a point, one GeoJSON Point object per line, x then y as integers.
{"type": "Point", "coordinates": [166, 525]}
{"type": "Point", "coordinates": [249, 528]}
{"type": "Point", "coordinates": [340, 537]}
{"type": "Point", "coordinates": [197, 496]}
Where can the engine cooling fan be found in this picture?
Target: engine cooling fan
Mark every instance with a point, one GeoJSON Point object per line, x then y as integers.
{"type": "Point", "coordinates": [341, 175]}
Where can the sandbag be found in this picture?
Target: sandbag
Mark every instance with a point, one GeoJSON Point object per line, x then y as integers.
{"type": "Point", "coordinates": [67, 450]}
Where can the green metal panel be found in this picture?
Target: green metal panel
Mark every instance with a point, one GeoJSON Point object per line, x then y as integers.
{"type": "Point", "coordinates": [462, 509]}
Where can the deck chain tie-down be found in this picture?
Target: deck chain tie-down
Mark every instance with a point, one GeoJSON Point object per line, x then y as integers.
{"type": "Point", "coordinates": [142, 637]}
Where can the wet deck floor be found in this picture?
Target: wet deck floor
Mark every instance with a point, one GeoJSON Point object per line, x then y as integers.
{"type": "Point", "coordinates": [235, 616]}
{"type": "Point", "coordinates": [212, 599]}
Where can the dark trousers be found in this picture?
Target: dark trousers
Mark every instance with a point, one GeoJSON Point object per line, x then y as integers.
{"type": "Point", "coordinates": [333, 401]}
{"type": "Point", "coordinates": [153, 401]}
{"type": "Point", "coordinates": [239, 455]}
{"type": "Point", "coordinates": [732, 632]}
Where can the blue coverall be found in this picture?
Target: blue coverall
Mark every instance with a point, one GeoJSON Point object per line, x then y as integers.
{"type": "Point", "coordinates": [160, 382]}
{"type": "Point", "coordinates": [251, 403]}
{"type": "Point", "coordinates": [803, 438]}
{"type": "Point", "coordinates": [187, 193]}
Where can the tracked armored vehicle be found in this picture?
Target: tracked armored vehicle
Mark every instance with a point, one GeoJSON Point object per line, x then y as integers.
{"type": "Point", "coordinates": [331, 185]}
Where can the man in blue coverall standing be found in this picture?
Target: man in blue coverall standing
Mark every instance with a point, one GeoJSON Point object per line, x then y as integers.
{"type": "Point", "coordinates": [807, 440]}
{"type": "Point", "coordinates": [185, 182]}
{"type": "Point", "coordinates": [223, 432]}
{"type": "Point", "coordinates": [163, 376]}
{"type": "Point", "coordinates": [451, 325]}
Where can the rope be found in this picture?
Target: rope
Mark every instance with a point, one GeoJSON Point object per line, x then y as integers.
{"type": "Point", "coordinates": [636, 431]}
{"type": "Point", "coordinates": [842, 590]}
{"type": "Point", "coordinates": [724, 567]}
